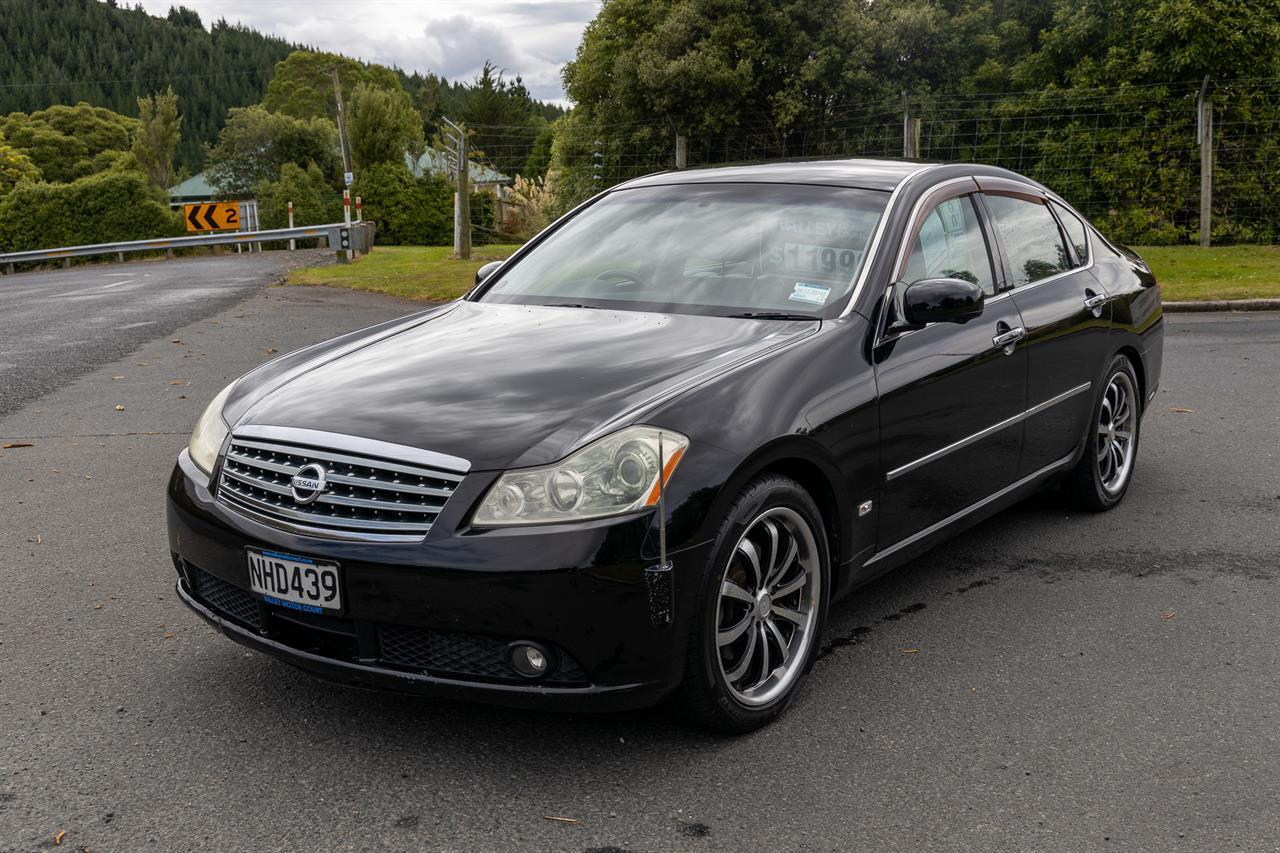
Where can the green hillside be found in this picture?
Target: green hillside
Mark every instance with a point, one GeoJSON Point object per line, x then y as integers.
{"type": "Point", "coordinates": [67, 51]}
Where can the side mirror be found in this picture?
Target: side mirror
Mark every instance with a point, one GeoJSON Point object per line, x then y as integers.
{"type": "Point", "coordinates": [487, 270]}
{"type": "Point", "coordinates": [941, 300]}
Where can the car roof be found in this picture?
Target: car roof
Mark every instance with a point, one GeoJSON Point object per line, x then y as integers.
{"type": "Point", "coordinates": [863, 173]}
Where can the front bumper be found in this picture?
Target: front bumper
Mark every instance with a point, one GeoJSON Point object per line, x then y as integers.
{"type": "Point", "coordinates": [435, 617]}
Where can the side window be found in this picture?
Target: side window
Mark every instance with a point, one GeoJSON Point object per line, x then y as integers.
{"type": "Point", "coordinates": [951, 245]}
{"type": "Point", "coordinates": [1075, 232]}
{"type": "Point", "coordinates": [1031, 238]}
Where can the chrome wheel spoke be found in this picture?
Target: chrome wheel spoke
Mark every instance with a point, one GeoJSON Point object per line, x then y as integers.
{"type": "Point", "coordinates": [765, 669]}
{"type": "Point", "coordinates": [779, 571]}
{"type": "Point", "coordinates": [725, 636]}
{"type": "Point", "coordinates": [792, 586]}
{"type": "Point", "coordinates": [773, 538]}
{"type": "Point", "coordinates": [783, 646]}
{"type": "Point", "coordinates": [744, 663]}
{"type": "Point", "coordinates": [747, 548]}
{"type": "Point", "coordinates": [795, 617]}
{"type": "Point", "coordinates": [730, 590]}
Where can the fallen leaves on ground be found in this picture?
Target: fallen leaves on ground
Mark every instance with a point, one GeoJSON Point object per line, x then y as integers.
{"type": "Point", "coordinates": [271, 350]}
{"type": "Point", "coordinates": [561, 819]}
{"type": "Point", "coordinates": [169, 635]}
{"type": "Point", "coordinates": [12, 444]}
{"type": "Point", "coordinates": [57, 839]}
{"type": "Point", "coordinates": [1170, 615]}
{"type": "Point", "coordinates": [119, 408]}
{"type": "Point", "coordinates": [117, 377]}
{"type": "Point", "coordinates": [911, 651]}
{"type": "Point", "coordinates": [1182, 410]}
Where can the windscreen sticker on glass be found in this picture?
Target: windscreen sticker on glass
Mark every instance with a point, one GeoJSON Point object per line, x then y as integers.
{"type": "Point", "coordinates": [814, 294]}
{"type": "Point", "coordinates": [821, 248]}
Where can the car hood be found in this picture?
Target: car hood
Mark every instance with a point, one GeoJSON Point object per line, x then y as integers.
{"type": "Point", "coordinates": [506, 385]}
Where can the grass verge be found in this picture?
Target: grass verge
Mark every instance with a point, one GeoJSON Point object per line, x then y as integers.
{"type": "Point", "coordinates": [1186, 273]}
{"type": "Point", "coordinates": [411, 272]}
{"type": "Point", "coordinates": [1189, 273]}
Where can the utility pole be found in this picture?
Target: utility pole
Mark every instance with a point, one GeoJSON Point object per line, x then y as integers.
{"type": "Point", "coordinates": [462, 199]}
{"type": "Point", "coordinates": [906, 128]}
{"type": "Point", "coordinates": [348, 175]}
{"type": "Point", "coordinates": [1204, 136]}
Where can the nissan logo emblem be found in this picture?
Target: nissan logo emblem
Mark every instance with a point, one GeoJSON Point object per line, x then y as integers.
{"type": "Point", "coordinates": [308, 484]}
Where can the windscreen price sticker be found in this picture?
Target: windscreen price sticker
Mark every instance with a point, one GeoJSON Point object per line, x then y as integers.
{"type": "Point", "coordinates": [808, 259]}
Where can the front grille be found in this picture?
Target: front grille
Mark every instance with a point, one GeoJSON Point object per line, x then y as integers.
{"type": "Point", "coordinates": [365, 495]}
{"type": "Point", "coordinates": [228, 599]}
{"type": "Point", "coordinates": [462, 655]}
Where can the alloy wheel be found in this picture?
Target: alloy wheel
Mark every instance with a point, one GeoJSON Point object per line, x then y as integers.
{"type": "Point", "coordinates": [1117, 429]}
{"type": "Point", "coordinates": [768, 607]}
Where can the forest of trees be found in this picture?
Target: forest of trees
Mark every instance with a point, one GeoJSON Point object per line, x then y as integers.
{"type": "Point", "coordinates": [108, 54]}
{"type": "Point", "coordinates": [1097, 98]}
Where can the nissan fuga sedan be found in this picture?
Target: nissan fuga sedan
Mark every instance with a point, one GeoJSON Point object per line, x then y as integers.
{"type": "Point", "coordinates": [647, 452]}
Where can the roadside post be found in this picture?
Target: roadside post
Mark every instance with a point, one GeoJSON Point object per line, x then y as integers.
{"type": "Point", "coordinates": [359, 210]}
{"type": "Point", "coordinates": [292, 243]}
{"type": "Point", "coordinates": [346, 220]}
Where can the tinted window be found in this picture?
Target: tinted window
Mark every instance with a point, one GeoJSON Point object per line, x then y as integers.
{"type": "Point", "coordinates": [951, 245]}
{"type": "Point", "coordinates": [1031, 238]}
{"type": "Point", "coordinates": [1075, 232]}
{"type": "Point", "coordinates": [703, 249]}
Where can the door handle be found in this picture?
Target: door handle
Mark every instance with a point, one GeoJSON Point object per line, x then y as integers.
{"type": "Point", "coordinates": [1009, 338]}
{"type": "Point", "coordinates": [1093, 301]}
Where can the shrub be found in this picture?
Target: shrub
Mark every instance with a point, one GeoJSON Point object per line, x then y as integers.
{"type": "Point", "coordinates": [407, 210]}
{"type": "Point", "coordinates": [104, 208]}
{"type": "Point", "coordinates": [314, 200]}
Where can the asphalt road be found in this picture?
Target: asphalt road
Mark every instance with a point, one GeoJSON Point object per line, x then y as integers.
{"type": "Point", "coordinates": [1048, 681]}
{"type": "Point", "coordinates": [55, 325]}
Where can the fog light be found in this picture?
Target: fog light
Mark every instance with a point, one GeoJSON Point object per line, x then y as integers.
{"type": "Point", "coordinates": [530, 660]}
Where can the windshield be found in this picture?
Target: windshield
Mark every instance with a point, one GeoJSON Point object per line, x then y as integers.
{"type": "Point", "coordinates": [723, 249]}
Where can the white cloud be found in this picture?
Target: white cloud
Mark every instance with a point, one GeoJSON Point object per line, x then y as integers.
{"type": "Point", "coordinates": [531, 39]}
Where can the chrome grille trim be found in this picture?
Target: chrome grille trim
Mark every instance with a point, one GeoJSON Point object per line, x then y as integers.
{"type": "Point", "coordinates": [368, 496]}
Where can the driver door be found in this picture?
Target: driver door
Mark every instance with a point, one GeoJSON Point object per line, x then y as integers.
{"type": "Point", "coordinates": [946, 389]}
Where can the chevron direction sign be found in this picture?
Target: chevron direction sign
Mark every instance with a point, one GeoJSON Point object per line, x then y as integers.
{"type": "Point", "coordinates": [212, 217]}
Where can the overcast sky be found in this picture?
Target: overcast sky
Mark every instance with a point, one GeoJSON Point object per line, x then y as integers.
{"type": "Point", "coordinates": [530, 38]}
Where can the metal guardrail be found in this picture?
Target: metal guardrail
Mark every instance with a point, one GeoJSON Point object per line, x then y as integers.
{"type": "Point", "coordinates": [339, 236]}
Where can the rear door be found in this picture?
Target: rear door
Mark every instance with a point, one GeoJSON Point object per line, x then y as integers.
{"type": "Point", "coordinates": [1064, 311]}
{"type": "Point", "coordinates": [950, 397]}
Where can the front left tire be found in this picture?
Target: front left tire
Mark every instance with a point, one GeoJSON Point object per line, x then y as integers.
{"type": "Point", "coordinates": [762, 609]}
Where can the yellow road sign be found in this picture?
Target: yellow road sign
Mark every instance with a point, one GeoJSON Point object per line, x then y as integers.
{"type": "Point", "coordinates": [215, 216]}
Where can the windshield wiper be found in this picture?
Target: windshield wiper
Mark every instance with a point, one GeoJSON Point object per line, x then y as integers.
{"type": "Point", "coordinates": [771, 315]}
{"type": "Point", "coordinates": [566, 305]}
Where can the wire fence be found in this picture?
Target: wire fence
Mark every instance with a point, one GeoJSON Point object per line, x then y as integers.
{"type": "Point", "coordinates": [1128, 157]}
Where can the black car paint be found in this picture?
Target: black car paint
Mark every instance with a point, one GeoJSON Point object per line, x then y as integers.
{"type": "Point", "coordinates": [835, 404]}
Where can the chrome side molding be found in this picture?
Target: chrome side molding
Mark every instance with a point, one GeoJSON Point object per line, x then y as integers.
{"type": "Point", "coordinates": [983, 433]}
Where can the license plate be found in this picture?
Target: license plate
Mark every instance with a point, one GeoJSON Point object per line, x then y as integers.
{"type": "Point", "coordinates": [297, 583]}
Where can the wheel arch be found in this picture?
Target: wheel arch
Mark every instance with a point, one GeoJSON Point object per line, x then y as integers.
{"type": "Point", "coordinates": [1139, 369]}
{"type": "Point", "coordinates": [812, 467]}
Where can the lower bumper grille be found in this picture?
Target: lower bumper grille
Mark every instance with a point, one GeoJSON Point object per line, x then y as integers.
{"type": "Point", "coordinates": [228, 599]}
{"type": "Point", "coordinates": [452, 654]}
{"type": "Point", "coordinates": [466, 655]}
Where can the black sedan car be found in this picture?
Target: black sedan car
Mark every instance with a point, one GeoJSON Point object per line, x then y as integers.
{"type": "Point", "coordinates": [645, 455]}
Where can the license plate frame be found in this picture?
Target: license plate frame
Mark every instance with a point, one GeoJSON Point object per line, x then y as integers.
{"type": "Point", "coordinates": [302, 578]}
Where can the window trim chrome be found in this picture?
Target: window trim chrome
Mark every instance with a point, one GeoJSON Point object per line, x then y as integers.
{"type": "Point", "coordinates": [985, 432]}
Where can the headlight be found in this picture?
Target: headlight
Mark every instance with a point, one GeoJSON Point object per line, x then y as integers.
{"type": "Point", "coordinates": [210, 431]}
{"type": "Point", "coordinates": [614, 475]}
